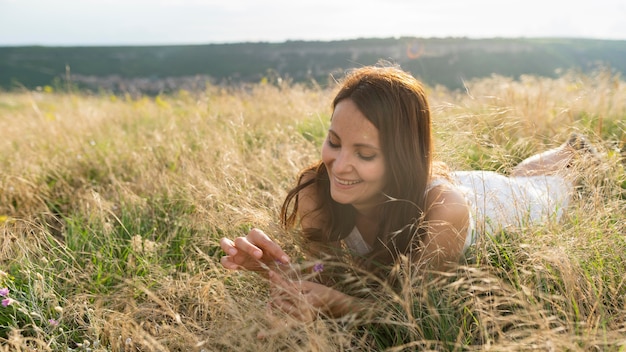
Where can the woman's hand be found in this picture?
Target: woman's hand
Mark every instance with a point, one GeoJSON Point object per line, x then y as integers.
{"type": "Point", "coordinates": [256, 252]}
{"type": "Point", "coordinates": [305, 300]}
{"type": "Point", "coordinates": [299, 299]}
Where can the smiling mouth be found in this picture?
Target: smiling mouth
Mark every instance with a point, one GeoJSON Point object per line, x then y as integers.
{"type": "Point", "coordinates": [347, 182]}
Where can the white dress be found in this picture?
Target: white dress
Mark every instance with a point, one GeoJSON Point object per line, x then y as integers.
{"type": "Point", "coordinates": [498, 202]}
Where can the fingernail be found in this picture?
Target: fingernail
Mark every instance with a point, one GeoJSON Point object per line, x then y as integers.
{"type": "Point", "coordinates": [232, 251]}
{"type": "Point", "coordinates": [258, 254]}
{"type": "Point", "coordinates": [284, 259]}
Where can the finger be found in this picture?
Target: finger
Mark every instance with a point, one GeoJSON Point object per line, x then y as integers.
{"type": "Point", "coordinates": [282, 287]}
{"type": "Point", "coordinates": [283, 305]}
{"type": "Point", "coordinates": [296, 310]}
{"type": "Point", "coordinates": [306, 287]}
{"type": "Point", "coordinates": [227, 263]}
{"type": "Point", "coordinates": [248, 247]}
{"type": "Point", "coordinates": [277, 280]}
{"type": "Point", "coordinates": [263, 334]}
{"type": "Point", "coordinates": [228, 246]}
{"type": "Point", "coordinates": [261, 240]}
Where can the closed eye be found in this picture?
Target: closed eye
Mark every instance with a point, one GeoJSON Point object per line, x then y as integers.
{"type": "Point", "coordinates": [333, 136]}
{"type": "Point", "coordinates": [366, 157]}
{"type": "Point", "coordinates": [331, 144]}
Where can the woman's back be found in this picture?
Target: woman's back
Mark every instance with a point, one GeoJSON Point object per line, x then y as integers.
{"type": "Point", "coordinates": [498, 202]}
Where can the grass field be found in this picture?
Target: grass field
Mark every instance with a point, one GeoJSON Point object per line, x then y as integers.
{"type": "Point", "coordinates": [111, 208]}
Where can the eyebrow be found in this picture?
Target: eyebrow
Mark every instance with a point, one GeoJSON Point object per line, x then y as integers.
{"type": "Point", "coordinates": [360, 145]}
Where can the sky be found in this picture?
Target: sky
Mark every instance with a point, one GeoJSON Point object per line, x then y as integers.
{"type": "Point", "coordinates": [171, 22]}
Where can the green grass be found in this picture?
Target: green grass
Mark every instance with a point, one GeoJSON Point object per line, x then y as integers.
{"type": "Point", "coordinates": [111, 209]}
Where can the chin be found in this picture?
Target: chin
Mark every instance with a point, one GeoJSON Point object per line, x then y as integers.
{"type": "Point", "coordinates": [339, 199]}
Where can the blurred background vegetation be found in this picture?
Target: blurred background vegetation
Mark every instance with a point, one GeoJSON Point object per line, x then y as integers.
{"type": "Point", "coordinates": [436, 61]}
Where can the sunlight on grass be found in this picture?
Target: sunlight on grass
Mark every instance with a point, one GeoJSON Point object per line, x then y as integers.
{"type": "Point", "coordinates": [111, 209]}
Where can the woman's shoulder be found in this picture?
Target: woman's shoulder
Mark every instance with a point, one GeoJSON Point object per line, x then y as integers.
{"type": "Point", "coordinates": [444, 198]}
{"type": "Point", "coordinates": [447, 216]}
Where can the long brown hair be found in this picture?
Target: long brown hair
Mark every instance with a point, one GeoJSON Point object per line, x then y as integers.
{"type": "Point", "coordinates": [395, 103]}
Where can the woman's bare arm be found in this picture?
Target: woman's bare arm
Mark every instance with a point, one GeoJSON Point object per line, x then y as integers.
{"type": "Point", "coordinates": [447, 219]}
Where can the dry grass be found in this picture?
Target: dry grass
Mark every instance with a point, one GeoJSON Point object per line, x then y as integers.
{"type": "Point", "coordinates": [111, 209]}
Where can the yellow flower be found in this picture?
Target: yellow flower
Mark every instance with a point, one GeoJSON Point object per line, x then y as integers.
{"type": "Point", "coordinates": [161, 103]}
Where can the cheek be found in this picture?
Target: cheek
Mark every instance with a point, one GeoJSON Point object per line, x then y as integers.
{"type": "Point", "coordinates": [375, 173]}
{"type": "Point", "coordinates": [326, 154]}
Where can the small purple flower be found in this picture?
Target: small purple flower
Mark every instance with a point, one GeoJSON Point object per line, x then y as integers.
{"type": "Point", "coordinates": [318, 267]}
{"type": "Point", "coordinates": [4, 292]}
{"type": "Point", "coordinates": [7, 302]}
{"type": "Point", "coordinates": [53, 322]}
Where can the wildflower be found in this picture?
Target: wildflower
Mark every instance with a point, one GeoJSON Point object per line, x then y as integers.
{"type": "Point", "coordinates": [7, 302]}
{"type": "Point", "coordinates": [318, 267]}
{"type": "Point", "coordinates": [53, 322]}
{"type": "Point", "coordinates": [4, 292]}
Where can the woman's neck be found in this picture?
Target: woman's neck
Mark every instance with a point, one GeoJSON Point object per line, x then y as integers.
{"type": "Point", "coordinates": [370, 210]}
{"type": "Point", "coordinates": [368, 225]}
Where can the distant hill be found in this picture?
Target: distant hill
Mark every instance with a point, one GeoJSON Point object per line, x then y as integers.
{"type": "Point", "coordinates": [154, 69]}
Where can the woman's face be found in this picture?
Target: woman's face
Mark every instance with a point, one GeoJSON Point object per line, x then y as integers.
{"type": "Point", "coordinates": [354, 159]}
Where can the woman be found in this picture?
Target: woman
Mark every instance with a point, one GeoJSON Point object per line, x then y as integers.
{"type": "Point", "coordinates": [378, 195]}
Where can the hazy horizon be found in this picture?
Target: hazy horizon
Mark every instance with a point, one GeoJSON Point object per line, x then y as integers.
{"type": "Point", "coordinates": [170, 22]}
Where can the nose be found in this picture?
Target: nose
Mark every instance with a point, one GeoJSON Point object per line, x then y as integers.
{"type": "Point", "coordinates": [343, 163]}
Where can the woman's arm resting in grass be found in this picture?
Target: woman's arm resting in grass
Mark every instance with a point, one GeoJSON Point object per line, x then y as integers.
{"type": "Point", "coordinates": [306, 300]}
